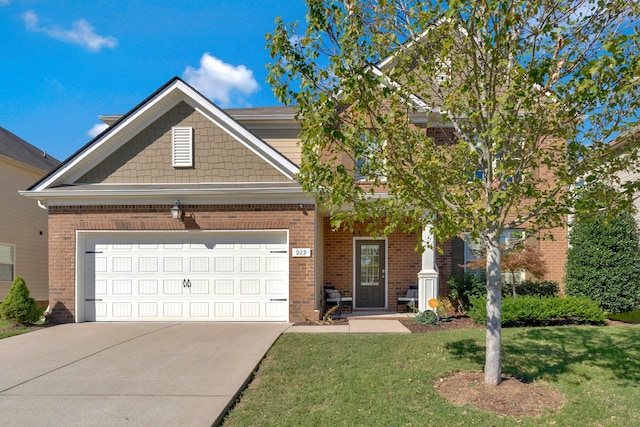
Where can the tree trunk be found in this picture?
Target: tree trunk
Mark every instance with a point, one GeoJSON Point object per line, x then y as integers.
{"type": "Point", "coordinates": [493, 356]}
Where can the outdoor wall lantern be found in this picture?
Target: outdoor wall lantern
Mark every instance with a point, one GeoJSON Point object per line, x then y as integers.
{"type": "Point", "coordinates": [176, 211]}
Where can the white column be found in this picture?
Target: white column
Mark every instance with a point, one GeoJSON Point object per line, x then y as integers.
{"type": "Point", "coordinates": [428, 276]}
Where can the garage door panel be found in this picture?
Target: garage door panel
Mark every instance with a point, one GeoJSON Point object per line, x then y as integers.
{"type": "Point", "coordinates": [223, 264]}
{"type": "Point", "coordinates": [172, 309]}
{"type": "Point", "coordinates": [148, 309]}
{"type": "Point", "coordinates": [229, 276]}
{"type": "Point", "coordinates": [250, 287]}
{"type": "Point", "coordinates": [199, 287]}
{"type": "Point", "coordinates": [249, 264]}
{"type": "Point", "coordinates": [122, 310]}
{"type": "Point", "coordinates": [122, 287]}
{"type": "Point", "coordinates": [172, 265]}
{"type": "Point", "coordinates": [148, 264]}
{"type": "Point", "coordinates": [275, 309]}
{"type": "Point", "coordinates": [148, 287]}
{"type": "Point", "coordinates": [223, 287]}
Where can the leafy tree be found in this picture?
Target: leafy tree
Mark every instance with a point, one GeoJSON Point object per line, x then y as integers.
{"type": "Point", "coordinates": [466, 116]}
{"type": "Point", "coordinates": [603, 262]}
{"type": "Point", "coordinates": [18, 306]}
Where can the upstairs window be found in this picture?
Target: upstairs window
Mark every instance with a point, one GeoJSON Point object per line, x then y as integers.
{"type": "Point", "coordinates": [370, 159]}
{"type": "Point", "coordinates": [7, 261]}
{"type": "Point", "coordinates": [182, 147]}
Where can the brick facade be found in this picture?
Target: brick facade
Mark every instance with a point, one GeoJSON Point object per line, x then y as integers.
{"type": "Point", "coordinates": [554, 253]}
{"type": "Point", "coordinates": [64, 221]}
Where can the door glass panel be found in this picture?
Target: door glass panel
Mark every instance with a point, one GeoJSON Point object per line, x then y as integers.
{"type": "Point", "coordinates": [370, 265]}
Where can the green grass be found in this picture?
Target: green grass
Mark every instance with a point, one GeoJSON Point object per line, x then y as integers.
{"type": "Point", "coordinates": [632, 317]}
{"type": "Point", "coordinates": [387, 380]}
{"type": "Point", "coordinates": [10, 329]}
{"type": "Point", "coordinates": [7, 329]}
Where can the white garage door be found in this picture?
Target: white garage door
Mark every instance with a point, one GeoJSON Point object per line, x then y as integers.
{"type": "Point", "coordinates": [194, 276]}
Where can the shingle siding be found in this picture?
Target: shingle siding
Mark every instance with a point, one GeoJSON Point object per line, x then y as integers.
{"type": "Point", "coordinates": [146, 158]}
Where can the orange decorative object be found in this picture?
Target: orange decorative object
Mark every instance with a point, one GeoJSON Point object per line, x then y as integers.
{"type": "Point", "coordinates": [433, 303]}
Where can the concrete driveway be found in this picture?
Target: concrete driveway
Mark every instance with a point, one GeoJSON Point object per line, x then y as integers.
{"type": "Point", "coordinates": [133, 374]}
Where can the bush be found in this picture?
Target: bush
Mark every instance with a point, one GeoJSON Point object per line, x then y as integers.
{"type": "Point", "coordinates": [544, 288]}
{"type": "Point", "coordinates": [463, 289]}
{"type": "Point", "coordinates": [603, 262]}
{"type": "Point", "coordinates": [427, 317]}
{"type": "Point", "coordinates": [631, 317]}
{"type": "Point", "coordinates": [18, 306]}
{"type": "Point", "coordinates": [540, 311]}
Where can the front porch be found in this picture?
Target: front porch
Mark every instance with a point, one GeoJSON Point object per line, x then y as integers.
{"type": "Point", "coordinates": [373, 272]}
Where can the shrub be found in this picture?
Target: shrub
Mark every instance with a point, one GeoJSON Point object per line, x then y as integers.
{"type": "Point", "coordinates": [427, 317]}
{"type": "Point", "coordinates": [631, 317]}
{"type": "Point", "coordinates": [18, 306]}
{"type": "Point", "coordinates": [540, 311]}
{"type": "Point", "coordinates": [463, 289]}
{"type": "Point", "coordinates": [544, 288]}
{"type": "Point", "coordinates": [603, 262]}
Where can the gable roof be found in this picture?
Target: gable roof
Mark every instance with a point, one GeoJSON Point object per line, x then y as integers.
{"type": "Point", "coordinates": [17, 149]}
{"type": "Point", "coordinates": [144, 114]}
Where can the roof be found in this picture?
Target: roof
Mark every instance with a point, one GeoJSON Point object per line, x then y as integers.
{"type": "Point", "coordinates": [251, 113]}
{"type": "Point", "coordinates": [19, 150]}
{"type": "Point", "coordinates": [143, 114]}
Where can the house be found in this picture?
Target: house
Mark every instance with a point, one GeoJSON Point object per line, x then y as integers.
{"type": "Point", "coordinates": [23, 229]}
{"type": "Point", "coordinates": [248, 243]}
{"type": "Point", "coordinates": [180, 211]}
{"type": "Point", "coordinates": [632, 173]}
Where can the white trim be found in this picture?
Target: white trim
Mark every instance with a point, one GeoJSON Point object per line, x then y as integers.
{"type": "Point", "coordinates": [230, 195]}
{"type": "Point", "coordinates": [386, 269]}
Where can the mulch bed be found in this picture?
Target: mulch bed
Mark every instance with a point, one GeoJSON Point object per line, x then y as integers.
{"type": "Point", "coordinates": [454, 322]}
{"type": "Point", "coordinates": [511, 398]}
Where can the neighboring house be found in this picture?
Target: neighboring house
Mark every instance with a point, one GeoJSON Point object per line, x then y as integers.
{"type": "Point", "coordinates": [631, 174]}
{"type": "Point", "coordinates": [23, 229]}
{"type": "Point", "coordinates": [247, 244]}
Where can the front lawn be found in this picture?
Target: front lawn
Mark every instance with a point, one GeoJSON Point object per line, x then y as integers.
{"type": "Point", "coordinates": [8, 329]}
{"type": "Point", "coordinates": [388, 380]}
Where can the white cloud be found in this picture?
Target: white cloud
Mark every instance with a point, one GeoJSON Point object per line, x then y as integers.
{"type": "Point", "coordinates": [218, 80]}
{"type": "Point", "coordinates": [81, 33]}
{"type": "Point", "coordinates": [97, 129]}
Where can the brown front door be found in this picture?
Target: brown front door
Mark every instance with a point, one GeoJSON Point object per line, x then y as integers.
{"type": "Point", "coordinates": [370, 274]}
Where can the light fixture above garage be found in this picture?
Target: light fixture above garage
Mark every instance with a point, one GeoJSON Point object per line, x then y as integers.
{"type": "Point", "coordinates": [176, 211]}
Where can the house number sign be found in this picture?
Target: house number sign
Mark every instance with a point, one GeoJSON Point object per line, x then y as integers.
{"type": "Point", "coordinates": [300, 252]}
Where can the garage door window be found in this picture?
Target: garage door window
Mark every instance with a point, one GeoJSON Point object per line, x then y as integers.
{"type": "Point", "coordinates": [7, 257]}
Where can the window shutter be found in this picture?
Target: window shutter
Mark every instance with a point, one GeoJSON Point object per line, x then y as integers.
{"type": "Point", "coordinates": [182, 141]}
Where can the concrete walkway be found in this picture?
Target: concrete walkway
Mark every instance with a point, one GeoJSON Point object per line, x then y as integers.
{"type": "Point", "coordinates": [379, 325]}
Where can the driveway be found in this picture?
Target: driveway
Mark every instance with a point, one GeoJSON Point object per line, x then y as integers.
{"type": "Point", "coordinates": [129, 374]}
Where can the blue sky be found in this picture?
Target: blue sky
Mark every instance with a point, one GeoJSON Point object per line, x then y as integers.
{"type": "Point", "coordinates": [66, 62]}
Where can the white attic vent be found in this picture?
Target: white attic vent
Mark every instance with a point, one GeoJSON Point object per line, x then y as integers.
{"type": "Point", "coordinates": [182, 142]}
